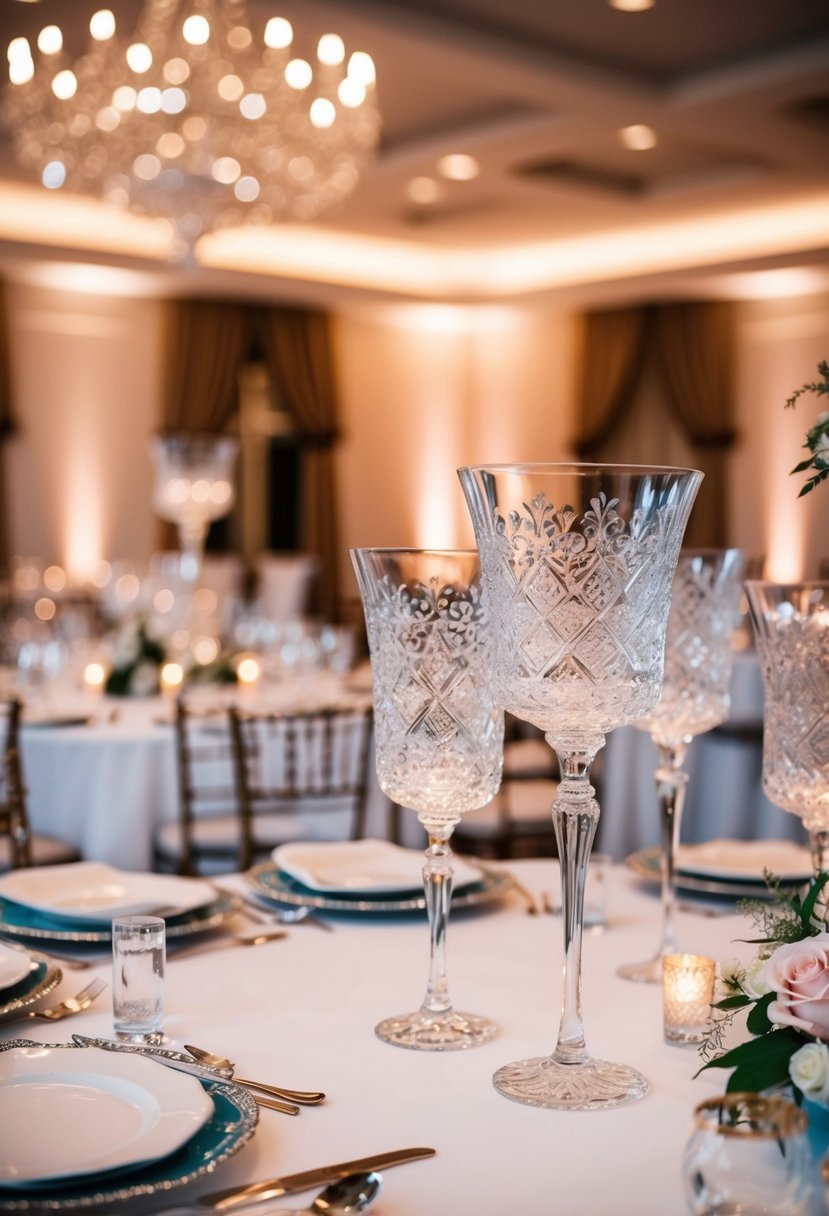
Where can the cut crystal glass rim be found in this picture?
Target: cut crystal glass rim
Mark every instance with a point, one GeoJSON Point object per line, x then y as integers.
{"type": "Point", "coordinates": [584, 468]}
{"type": "Point", "coordinates": [383, 550]}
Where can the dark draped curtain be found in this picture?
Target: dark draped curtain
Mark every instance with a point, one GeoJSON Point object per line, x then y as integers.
{"type": "Point", "coordinates": [7, 424]}
{"type": "Point", "coordinates": [297, 350]}
{"type": "Point", "coordinates": [692, 348]}
{"type": "Point", "coordinates": [612, 356]}
{"type": "Point", "coordinates": [207, 342]}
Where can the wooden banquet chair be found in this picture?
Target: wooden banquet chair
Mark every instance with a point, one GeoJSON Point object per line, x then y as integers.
{"type": "Point", "coordinates": [19, 846]}
{"type": "Point", "coordinates": [250, 781]}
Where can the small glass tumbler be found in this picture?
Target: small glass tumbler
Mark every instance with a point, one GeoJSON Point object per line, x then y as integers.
{"type": "Point", "coordinates": [750, 1154]}
{"type": "Point", "coordinates": [138, 959]}
{"type": "Point", "coordinates": [687, 992]}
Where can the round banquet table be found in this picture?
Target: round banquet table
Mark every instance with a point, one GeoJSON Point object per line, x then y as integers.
{"type": "Point", "coordinates": [104, 786]}
{"type": "Point", "coordinates": [301, 1012]}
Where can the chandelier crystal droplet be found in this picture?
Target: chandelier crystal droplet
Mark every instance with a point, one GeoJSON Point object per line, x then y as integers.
{"type": "Point", "coordinates": [195, 118]}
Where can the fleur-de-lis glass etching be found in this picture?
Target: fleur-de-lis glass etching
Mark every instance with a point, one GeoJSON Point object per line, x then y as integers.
{"type": "Point", "coordinates": [577, 563]}
{"type": "Point", "coordinates": [439, 738]}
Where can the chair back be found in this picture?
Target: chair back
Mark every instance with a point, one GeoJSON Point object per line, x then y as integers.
{"type": "Point", "coordinates": [206, 771]}
{"type": "Point", "coordinates": [313, 763]}
{"type": "Point", "coordinates": [14, 822]}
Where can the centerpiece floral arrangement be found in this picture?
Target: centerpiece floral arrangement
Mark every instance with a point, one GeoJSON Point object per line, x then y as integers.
{"type": "Point", "coordinates": [785, 993]}
{"type": "Point", "coordinates": [137, 658]}
{"type": "Point", "coordinates": [817, 437]}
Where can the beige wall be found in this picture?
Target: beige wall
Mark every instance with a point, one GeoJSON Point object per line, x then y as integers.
{"type": "Point", "coordinates": [85, 373]}
{"type": "Point", "coordinates": [423, 390]}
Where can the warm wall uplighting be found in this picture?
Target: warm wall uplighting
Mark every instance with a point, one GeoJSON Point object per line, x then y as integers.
{"type": "Point", "coordinates": [638, 137]}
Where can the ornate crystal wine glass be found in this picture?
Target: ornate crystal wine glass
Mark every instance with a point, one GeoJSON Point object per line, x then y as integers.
{"type": "Point", "coordinates": [439, 738]}
{"type": "Point", "coordinates": [193, 486]}
{"type": "Point", "coordinates": [696, 697]}
{"type": "Point", "coordinates": [577, 563]}
{"type": "Point", "coordinates": [791, 625]}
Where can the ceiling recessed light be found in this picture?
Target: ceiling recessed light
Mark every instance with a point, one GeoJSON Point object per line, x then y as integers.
{"type": "Point", "coordinates": [423, 190]}
{"type": "Point", "coordinates": [458, 167]}
{"type": "Point", "coordinates": [639, 137]}
{"type": "Point", "coordinates": [631, 6]}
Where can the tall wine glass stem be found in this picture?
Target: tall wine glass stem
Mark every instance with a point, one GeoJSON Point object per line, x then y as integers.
{"type": "Point", "coordinates": [819, 844]}
{"type": "Point", "coordinates": [671, 786]}
{"type": "Point", "coordinates": [570, 1079]}
{"type": "Point", "coordinates": [437, 886]}
{"type": "Point", "coordinates": [436, 1025]}
{"type": "Point", "coordinates": [575, 816]}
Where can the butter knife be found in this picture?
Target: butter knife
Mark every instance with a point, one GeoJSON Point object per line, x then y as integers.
{"type": "Point", "coordinates": [174, 1059]}
{"type": "Point", "coordinates": [275, 1187]}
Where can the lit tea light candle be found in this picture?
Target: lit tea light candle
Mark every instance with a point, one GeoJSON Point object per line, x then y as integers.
{"type": "Point", "coordinates": [172, 678]}
{"type": "Point", "coordinates": [248, 671]}
{"type": "Point", "coordinates": [687, 991]}
{"type": "Point", "coordinates": [94, 677]}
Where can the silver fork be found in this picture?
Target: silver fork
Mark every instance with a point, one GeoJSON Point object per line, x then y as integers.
{"type": "Point", "coordinates": [72, 1004]}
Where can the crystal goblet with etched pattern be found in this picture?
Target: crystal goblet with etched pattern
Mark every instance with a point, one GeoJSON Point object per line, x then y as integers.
{"type": "Point", "coordinates": [577, 563]}
{"type": "Point", "coordinates": [791, 626]}
{"type": "Point", "coordinates": [696, 697]}
{"type": "Point", "coordinates": [439, 737]}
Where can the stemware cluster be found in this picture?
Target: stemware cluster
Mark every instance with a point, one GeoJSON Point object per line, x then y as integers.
{"type": "Point", "coordinates": [577, 563]}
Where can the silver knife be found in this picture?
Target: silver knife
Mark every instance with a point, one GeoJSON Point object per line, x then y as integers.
{"type": "Point", "coordinates": [275, 1187]}
{"type": "Point", "coordinates": [174, 1059]}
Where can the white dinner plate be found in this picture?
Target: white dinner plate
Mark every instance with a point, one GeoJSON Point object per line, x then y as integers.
{"type": "Point", "coordinates": [746, 860]}
{"type": "Point", "coordinates": [94, 891]}
{"type": "Point", "coordinates": [69, 1114]}
{"type": "Point", "coordinates": [366, 867]}
{"type": "Point", "coordinates": [15, 965]}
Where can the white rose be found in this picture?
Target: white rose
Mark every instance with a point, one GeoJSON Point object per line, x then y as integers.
{"type": "Point", "coordinates": [809, 1071]}
{"type": "Point", "coordinates": [753, 981]}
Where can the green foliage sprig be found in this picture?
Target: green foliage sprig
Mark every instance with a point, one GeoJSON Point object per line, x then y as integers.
{"type": "Point", "coordinates": [817, 437]}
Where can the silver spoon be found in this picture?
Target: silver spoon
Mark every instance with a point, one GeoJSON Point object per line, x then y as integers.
{"type": "Point", "coordinates": [346, 1196]}
{"type": "Point", "coordinates": [222, 1064]}
{"type": "Point", "coordinates": [351, 1194]}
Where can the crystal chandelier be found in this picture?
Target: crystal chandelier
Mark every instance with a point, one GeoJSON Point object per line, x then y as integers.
{"type": "Point", "coordinates": [194, 118]}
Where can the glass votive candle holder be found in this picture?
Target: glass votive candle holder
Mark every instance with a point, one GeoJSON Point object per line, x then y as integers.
{"type": "Point", "coordinates": [687, 993]}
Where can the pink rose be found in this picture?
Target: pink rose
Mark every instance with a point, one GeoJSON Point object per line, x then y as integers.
{"type": "Point", "coordinates": [798, 974]}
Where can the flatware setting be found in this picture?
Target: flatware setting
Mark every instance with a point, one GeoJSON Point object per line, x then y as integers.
{"type": "Point", "coordinates": [348, 1195]}
{"type": "Point", "coordinates": [179, 1062]}
{"type": "Point", "coordinates": [225, 1066]}
{"type": "Point", "coordinates": [67, 1008]}
{"type": "Point", "coordinates": [70, 961]}
{"type": "Point", "coordinates": [274, 1188]}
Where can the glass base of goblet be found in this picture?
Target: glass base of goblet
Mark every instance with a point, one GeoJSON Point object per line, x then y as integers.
{"type": "Point", "coordinates": [592, 1085]}
{"type": "Point", "coordinates": [642, 973]}
{"type": "Point", "coordinates": [424, 1031]}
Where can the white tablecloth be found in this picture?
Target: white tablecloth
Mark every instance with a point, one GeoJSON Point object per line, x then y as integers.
{"type": "Point", "coordinates": [302, 1011]}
